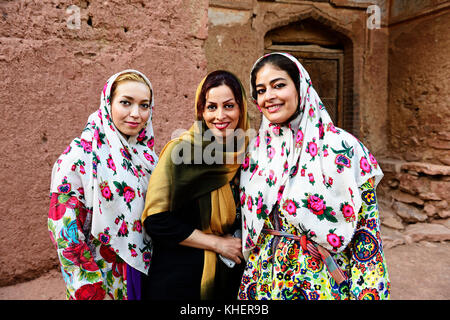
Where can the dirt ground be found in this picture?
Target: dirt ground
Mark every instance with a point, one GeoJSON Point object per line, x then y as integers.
{"type": "Point", "coordinates": [418, 271]}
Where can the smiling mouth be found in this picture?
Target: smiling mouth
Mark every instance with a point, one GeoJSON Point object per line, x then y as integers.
{"type": "Point", "coordinates": [274, 108]}
{"type": "Point", "coordinates": [133, 124]}
{"type": "Point", "coordinates": [222, 125]}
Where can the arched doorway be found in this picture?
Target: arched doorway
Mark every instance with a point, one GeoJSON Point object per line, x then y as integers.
{"type": "Point", "coordinates": [327, 56]}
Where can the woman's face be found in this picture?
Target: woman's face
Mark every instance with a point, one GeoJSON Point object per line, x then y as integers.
{"type": "Point", "coordinates": [276, 94]}
{"type": "Point", "coordinates": [130, 107]}
{"type": "Point", "coordinates": [221, 112]}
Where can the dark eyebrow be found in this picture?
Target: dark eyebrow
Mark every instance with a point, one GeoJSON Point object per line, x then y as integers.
{"type": "Point", "coordinates": [131, 98]}
{"type": "Point", "coordinates": [231, 99]}
{"type": "Point", "coordinates": [212, 102]}
{"type": "Point", "coordinates": [271, 81]}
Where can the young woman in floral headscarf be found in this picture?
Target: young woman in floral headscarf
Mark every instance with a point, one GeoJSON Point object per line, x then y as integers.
{"type": "Point", "coordinates": [310, 215]}
{"type": "Point", "coordinates": [98, 191]}
{"type": "Point", "coordinates": [192, 204]}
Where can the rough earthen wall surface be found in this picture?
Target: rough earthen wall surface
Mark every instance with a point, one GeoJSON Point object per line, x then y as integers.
{"type": "Point", "coordinates": [51, 80]}
{"type": "Point", "coordinates": [419, 98]}
{"type": "Point", "coordinates": [416, 186]}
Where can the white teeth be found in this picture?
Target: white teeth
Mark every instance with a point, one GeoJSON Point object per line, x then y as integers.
{"type": "Point", "coordinates": [274, 107]}
{"type": "Point", "coordinates": [221, 126]}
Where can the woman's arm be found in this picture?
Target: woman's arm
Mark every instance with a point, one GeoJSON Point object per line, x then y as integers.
{"type": "Point", "coordinates": [169, 230]}
{"type": "Point", "coordinates": [226, 245]}
{"type": "Point", "coordinates": [81, 274]}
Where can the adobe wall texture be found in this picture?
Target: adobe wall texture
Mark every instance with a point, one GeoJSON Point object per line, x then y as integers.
{"type": "Point", "coordinates": [416, 186]}
{"type": "Point", "coordinates": [51, 81]}
{"type": "Point", "coordinates": [419, 97]}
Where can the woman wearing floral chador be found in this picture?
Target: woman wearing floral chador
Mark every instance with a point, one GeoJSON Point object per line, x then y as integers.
{"type": "Point", "coordinates": [310, 215]}
{"type": "Point", "coordinates": [98, 192]}
{"type": "Point", "coordinates": [192, 204]}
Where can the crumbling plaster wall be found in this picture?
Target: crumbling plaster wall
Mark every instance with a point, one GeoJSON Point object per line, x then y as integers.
{"type": "Point", "coordinates": [51, 81]}
{"type": "Point", "coordinates": [416, 186]}
{"type": "Point", "coordinates": [419, 97]}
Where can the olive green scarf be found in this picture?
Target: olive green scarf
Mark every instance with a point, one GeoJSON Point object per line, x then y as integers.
{"type": "Point", "coordinates": [173, 185]}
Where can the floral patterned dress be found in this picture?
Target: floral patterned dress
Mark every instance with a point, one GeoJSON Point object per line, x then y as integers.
{"type": "Point", "coordinates": [90, 269]}
{"type": "Point", "coordinates": [278, 269]}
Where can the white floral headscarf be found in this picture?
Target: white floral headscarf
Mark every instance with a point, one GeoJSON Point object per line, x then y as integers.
{"type": "Point", "coordinates": [110, 174]}
{"type": "Point", "coordinates": [311, 168]}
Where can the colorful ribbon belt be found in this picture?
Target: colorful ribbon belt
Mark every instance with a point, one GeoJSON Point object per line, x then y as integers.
{"type": "Point", "coordinates": [315, 251]}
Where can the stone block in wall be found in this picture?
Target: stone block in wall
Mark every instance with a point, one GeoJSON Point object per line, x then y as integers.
{"type": "Point", "coordinates": [440, 188]}
{"type": "Point", "coordinates": [406, 197]}
{"type": "Point", "coordinates": [233, 4]}
{"type": "Point", "coordinates": [437, 208]}
{"type": "Point", "coordinates": [427, 232]}
{"type": "Point", "coordinates": [393, 183]}
{"type": "Point", "coordinates": [391, 165]}
{"type": "Point", "coordinates": [430, 209]}
{"type": "Point", "coordinates": [426, 180]}
{"type": "Point", "coordinates": [426, 168]}
{"type": "Point", "coordinates": [429, 196]}
{"type": "Point", "coordinates": [445, 160]}
{"type": "Point", "coordinates": [444, 214]}
{"type": "Point", "coordinates": [388, 217]}
{"type": "Point", "coordinates": [391, 237]}
{"type": "Point", "coordinates": [444, 222]}
{"type": "Point", "coordinates": [439, 144]}
{"type": "Point", "coordinates": [442, 204]}
{"type": "Point", "coordinates": [409, 213]}
{"type": "Point", "coordinates": [412, 184]}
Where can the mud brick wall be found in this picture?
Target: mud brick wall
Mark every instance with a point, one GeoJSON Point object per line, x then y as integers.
{"type": "Point", "coordinates": [416, 187]}
{"type": "Point", "coordinates": [52, 74]}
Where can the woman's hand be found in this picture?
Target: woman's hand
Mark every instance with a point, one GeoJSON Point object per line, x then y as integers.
{"type": "Point", "coordinates": [227, 246]}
